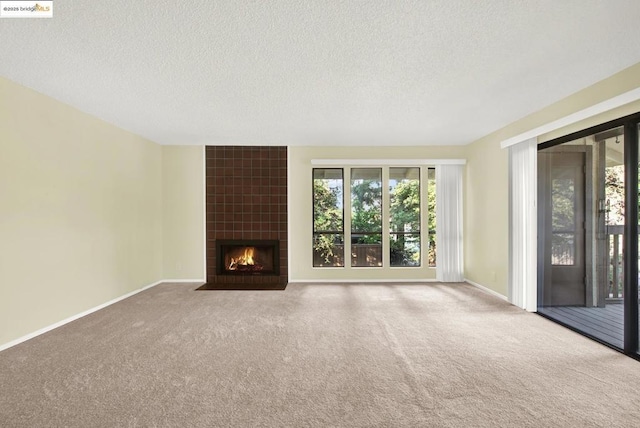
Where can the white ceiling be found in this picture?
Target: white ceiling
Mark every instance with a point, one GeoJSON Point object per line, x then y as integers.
{"type": "Point", "coordinates": [335, 72]}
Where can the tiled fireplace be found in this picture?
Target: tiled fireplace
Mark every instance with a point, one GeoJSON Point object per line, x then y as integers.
{"type": "Point", "coordinates": [246, 215]}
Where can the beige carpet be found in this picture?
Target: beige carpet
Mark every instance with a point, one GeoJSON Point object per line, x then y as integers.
{"type": "Point", "coordinates": [316, 356]}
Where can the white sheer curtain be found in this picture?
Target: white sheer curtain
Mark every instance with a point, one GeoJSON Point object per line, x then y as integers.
{"type": "Point", "coordinates": [449, 262]}
{"type": "Point", "coordinates": [523, 224]}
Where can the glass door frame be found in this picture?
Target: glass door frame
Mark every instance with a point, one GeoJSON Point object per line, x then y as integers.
{"type": "Point", "coordinates": [630, 244]}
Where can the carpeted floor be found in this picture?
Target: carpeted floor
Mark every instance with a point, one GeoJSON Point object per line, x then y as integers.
{"type": "Point", "coordinates": [316, 356]}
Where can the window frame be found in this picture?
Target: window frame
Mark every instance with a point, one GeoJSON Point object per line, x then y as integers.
{"type": "Point", "coordinates": [314, 232]}
{"type": "Point", "coordinates": [353, 232]}
{"type": "Point", "coordinates": [419, 232]}
{"type": "Point", "coordinates": [346, 165]}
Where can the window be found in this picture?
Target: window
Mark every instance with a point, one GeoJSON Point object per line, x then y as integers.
{"type": "Point", "coordinates": [563, 207]}
{"type": "Point", "coordinates": [328, 217]}
{"type": "Point", "coordinates": [404, 216]}
{"type": "Point", "coordinates": [431, 215]}
{"type": "Point", "coordinates": [390, 217]}
{"type": "Point", "coordinates": [366, 217]}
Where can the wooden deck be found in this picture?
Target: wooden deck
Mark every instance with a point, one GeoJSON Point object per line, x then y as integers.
{"type": "Point", "coordinates": [605, 324]}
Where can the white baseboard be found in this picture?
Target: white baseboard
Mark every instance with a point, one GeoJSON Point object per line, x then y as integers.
{"type": "Point", "coordinates": [75, 317]}
{"type": "Point", "coordinates": [360, 281]}
{"type": "Point", "coordinates": [184, 280]}
{"type": "Point", "coordinates": [487, 290]}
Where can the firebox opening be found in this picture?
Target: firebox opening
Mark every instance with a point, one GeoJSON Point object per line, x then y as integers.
{"type": "Point", "coordinates": [248, 258]}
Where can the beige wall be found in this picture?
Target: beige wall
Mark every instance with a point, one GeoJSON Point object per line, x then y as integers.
{"type": "Point", "coordinates": [80, 211]}
{"type": "Point", "coordinates": [183, 212]}
{"type": "Point", "coordinates": [486, 218]}
{"type": "Point", "coordinates": [486, 202]}
{"type": "Point", "coordinates": [300, 210]}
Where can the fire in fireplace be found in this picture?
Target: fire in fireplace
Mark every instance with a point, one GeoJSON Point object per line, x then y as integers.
{"type": "Point", "coordinates": [242, 260]}
{"type": "Point", "coordinates": [247, 257]}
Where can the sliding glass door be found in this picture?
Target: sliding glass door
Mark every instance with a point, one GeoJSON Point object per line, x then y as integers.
{"type": "Point", "coordinates": [588, 270]}
{"type": "Point", "coordinates": [580, 224]}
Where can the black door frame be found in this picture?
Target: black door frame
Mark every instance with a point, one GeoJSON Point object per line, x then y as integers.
{"type": "Point", "coordinates": [630, 246]}
{"type": "Point", "coordinates": [631, 237]}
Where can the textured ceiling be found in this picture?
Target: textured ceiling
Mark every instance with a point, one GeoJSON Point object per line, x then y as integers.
{"type": "Point", "coordinates": [333, 72]}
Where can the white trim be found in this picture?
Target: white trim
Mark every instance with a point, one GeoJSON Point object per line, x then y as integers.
{"type": "Point", "coordinates": [74, 317]}
{"type": "Point", "coordinates": [390, 162]}
{"type": "Point", "coordinates": [487, 290]}
{"type": "Point", "coordinates": [360, 281]}
{"type": "Point", "coordinates": [185, 281]}
{"type": "Point", "coordinates": [586, 113]}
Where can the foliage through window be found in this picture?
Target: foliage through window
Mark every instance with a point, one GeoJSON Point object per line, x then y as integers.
{"type": "Point", "coordinates": [402, 212]}
{"type": "Point", "coordinates": [404, 216]}
{"type": "Point", "coordinates": [366, 217]}
{"type": "Point", "coordinates": [431, 215]}
{"type": "Point", "coordinates": [328, 217]}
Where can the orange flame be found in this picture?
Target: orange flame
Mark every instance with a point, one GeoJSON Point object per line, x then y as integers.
{"type": "Point", "coordinates": [243, 260]}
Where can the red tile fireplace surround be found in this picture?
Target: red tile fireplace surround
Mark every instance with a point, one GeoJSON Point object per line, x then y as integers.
{"type": "Point", "coordinates": [246, 199]}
